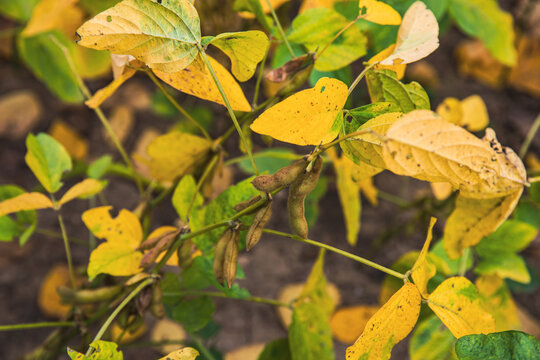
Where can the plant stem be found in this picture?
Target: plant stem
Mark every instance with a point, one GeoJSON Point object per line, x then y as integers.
{"type": "Point", "coordinates": [228, 105]}
{"type": "Point", "coordinates": [337, 141]}
{"type": "Point", "coordinates": [338, 35]}
{"type": "Point", "coordinates": [175, 103]}
{"type": "Point", "coordinates": [218, 294]}
{"type": "Point", "coordinates": [338, 251]}
{"type": "Point", "coordinates": [67, 248]}
{"type": "Point", "coordinates": [59, 236]}
{"type": "Point", "coordinates": [205, 352]}
{"type": "Point", "coordinates": [201, 181]}
{"type": "Point", "coordinates": [37, 325]}
{"type": "Point", "coordinates": [285, 156]}
{"type": "Point", "coordinates": [280, 29]}
{"type": "Point", "coordinates": [360, 77]}
{"type": "Point", "coordinates": [530, 136]}
{"type": "Point", "coordinates": [392, 198]}
{"type": "Point", "coordinates": [464, 261]}
{"type": "Point", "coordinates": [259, 77]}
{"type": "Point", "coordinates": [116, 311]}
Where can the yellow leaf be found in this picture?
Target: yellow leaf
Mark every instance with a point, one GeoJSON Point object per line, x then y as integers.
{"type": "Point", "coordinates": [245, 49]}
{"type": "Point", "coordinates": [472, 219]}
{"type": "Point", "coordinates": [121, 120]}
{"type": "Point", "coordinates": [441, 190]}
{"type": "Point", "coordinates": [379, 12]}
{"type": "Point", "coordinates": [84, 189]}
{"type": "Point", "coordinates": [307, 117]}
{"type": "Point", "coordinates": [470, 113]}
{"type": "Point", "coordinates": [167, 330]}
{"type": "Point", "coordinates": [457, 303]}
{"type": "Point", "coordinates": [103, 94]}
{"type": "Point", "coordinates": [49, 301]}
{"type": "Point", "coordinates": [118, 255]}
{"type": "Point", "coordinates": [424, 146]}
{"type": "Point", "coordinates": [369, 190]}
{"type": "Point", "coordinates": [48, 15]}
{"type": "Point", "coordinates": [391, 324]}
{"type": "Point", "coordinates": [161, 34]}
{"type": "Point", "coordinates": [248, 352]}
{"type": "Point", "coordinates": [75, 144]}
{"type": "Point", "coordinates": [91, 64]}
{"type": "Point", "coordinates": [196, 80]}
{"type": "Point", "coordinates": [348, 323]}
{"type": "Point", "coordinates": [423, 270]}
{"type": "Point", "coordinates": [125, 336]}
{"type": "Point", "coordinates": [160, 231]}
{"type": "Point", "coordinates": [175, 154]}
{"type": "Point", "coordinates": [186, 353]}
{"type": "Point", "coordinates": [498, 301]}
{"type": "Point", "coordinates": [418, 36]}
{"type": "Point", "coordinates": [399, 69]}
{"type": "Point", "coordinates": [311, 4]}
{"type": "Point", "coordinates": [27, 201]}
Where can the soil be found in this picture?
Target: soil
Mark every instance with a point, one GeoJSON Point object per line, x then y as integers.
{"type": "Point", "coordinates": [275, 261]}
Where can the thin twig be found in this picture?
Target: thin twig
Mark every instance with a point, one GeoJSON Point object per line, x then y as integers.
{"type": "Point", "coordinates": [37, 325]}
{"type": "Point", "coordinates": [280, 29]}
{"type": "Point", "coordinates": [360, 77]}
{"type": "Point", "coordinates": [530, 136]}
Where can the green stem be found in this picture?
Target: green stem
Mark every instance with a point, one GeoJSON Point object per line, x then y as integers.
{"type": "Point", "coordinates": [229, 108]}
{"type": "Point", "coordinates": [392, 198]}
{"type": "Point", "coordinates": [339, 251]}
{"type": "Point", "coordinates": [218, 294]}
{"type": "Point", "coordinates": [201, 181]}
{"type": "Point", "coordinates": [205, 352]}
{"type": "Point", "coordinates": [284, 156]}
{"type": "Point", "coordinates": [337, 141]}
{"type": "Point", "coordinates": [259, 77]}
{"type": "Point", "coordinates": [530, 136]}
{"type": "Point", "coordinates": [37, 325]}
{"type": "Point", "coordinates": [338, 34]}
{"type": "Point", "coordinates": [116, 311]}
{"type": "Point", "coordinates": [67, 248]}
{"type": "Point", "coordinates": [360, 77]}
{"type": "Point", "coordinates": [175, 103]}
{"type": "Point", "coordinates": [280, 29]}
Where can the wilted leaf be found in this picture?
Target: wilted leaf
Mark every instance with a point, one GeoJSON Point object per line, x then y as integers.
{"type": "Point", "coordinates": [245, 49]}
{"type": "Point", "coordinates": [167, 330]}
{"type": "Point", "coordinates": [118, 255]}
{"type": "Point", "coordinates": [75, 144]}
{"type": "Point", "coordinates": [498, 301]}
{"type": "Point", "coordinates": [379, 12]}
{"type": "Point", "coordinates": [48, 15]}
{"type": "Point", "coordinates": [103, 94]}
{"type": "Point", "coordinates": [457, 303]}
{"type": "Point", "coordinates": [431, 340]}
{"type": "Point", "coordinates": [48, 160]}
{"type": "Point", "coordinates": [307, 117]}
{"type": "Point", "coordinates": [469, 113]}
{"type": "Point", "coordinates": [423, 270]}
{"type": "Point", "coordinates": [102, 350]}
{"type": "Point", "coordinates": [508, 345]}
{"type": "Point", "coordinates": [485, 20]}
{"type": "Point", "coordinates": [391, 324]}
{"type": "Point", "coordinates": [139, 27]}
{"type": "Point", "coordinates": [399, 69]}
{"type": "Point", "coordinates": [186, 353]}
{"type": "Point", "coordinates": [84, 189]}
{"type": "Point", "coordinates": [26, 201]}
{"type": "Point", "coordinates": [19, 114]}
{"type": "Point", "coordinates": [247, 352]}
{"type": "Point", "coordinates": [196, 80]}
{"type": "Point", "coordinates": [348, 323]}
{"type": "Point", "coordinates": [418, 36]}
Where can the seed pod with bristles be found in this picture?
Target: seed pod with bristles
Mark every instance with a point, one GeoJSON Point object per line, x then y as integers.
{"type": "Point", "coordinates": [297, 195]}
{"type": "Point", "coordinates": [219, 255]}
{"type": "Point", "coordinates": [259, 222]}
{"type": "Point", "coordinates": [231, 258]}
{"type": "Point", "coordinates": [245, 204]}
{"type": "Point", "coordinates": [282, 178]}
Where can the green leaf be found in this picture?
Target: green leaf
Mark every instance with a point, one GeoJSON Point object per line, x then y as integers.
{"type": "Point", "coordinates": [182, 196]}
{"type": "Point", "coordinates": [163, 34]}
{"type": "Point", "coordinates": [48, 62]}
{"type": "Point", "coordinates": [277, 349]}
{"type": "Point", "coordinates": [527, 212]}
{"type": "Point", "coordinates": [269, 160]}
{"type": "Point", "coordinates": [310, 336]}
{"type": "Point", "coordinates": [507, 345]}
{"type": "Point", "coordinates": [359, 116]}
{"type": "Point", "coordinates": [103, 350]}
{"type": "Point", "coordinates": [194, 313]}
{"type": "Point", "coordinates": [453, 265]}
{"type": "Point", "coordinates": [431, 340]}
{"type": "Point", "coordinates": [245, 49]}
{"type": "Point", "coordinates": [506, 265]}
{"type": "Point", "coordinates": [282, 55]}
{"type": "Point", "coordinates": [94, 7]}
{"type": "Point", "coordinates": [48, 160]}
{"type": "Point", "coordinates": [344, 74]}
{"type": "Point", "coordinates": [23, 225]}
{"type": "Point", "coordinates": [383, 86]}
{"type": "Point", "coordinates": [438, 7]}
{"type": "Point", "coordinates": [99, 167]}
{"type": "Point", "coordinates": [20, 10]}
{"type": "Point", "coordinates": [511, 236]}
{"type": "Point", "coordinates": [485, 20]}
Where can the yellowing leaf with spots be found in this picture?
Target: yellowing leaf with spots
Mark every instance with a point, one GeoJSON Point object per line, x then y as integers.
{"type": "Point", "coordinates": [245, 49]}
{"type": "Point", "coordinates": [399, 69]}
{"type": "Point", "coordinates": [196, 80]}
{"type": "Point", "coordinates": [470, 113]}
{"type": "Point", "coordinates": [164, 35]}
{"type": "Point", "coordinates": [423, 270]}
{"type": "Point", "coordinates": [457, 303]}
{"type": "Point", "coordinates": [118, 255]}
{"type": "Point", "coordinates": [391, 324]}
{"type": "Point", "coordinates": [348, 323]}
{"type": "Point", "coordinates": [472, 219]}
{"type": "Point", "coordinates": [84, 189]}
{"type": "Point", "coordinates": [424, 146]}
{"type": "Point", "coordinates": [186, 353]}
{"type": "Point", "coordinates": [379, 12]}
{"type": "Point", "coordinates": [498, 301]}
{"type": "Point", "coordinates": [418, 36]}
{"type": "Point", "coordinates": [48, 15]}
{"type": "Point", "coordinates": [27, 201]}
{"type": "Point", "coordinates": [307, 117]}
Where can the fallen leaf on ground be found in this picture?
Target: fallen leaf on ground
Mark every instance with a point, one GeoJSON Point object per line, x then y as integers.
{"type": "Point", "coordinates": [19, 114]}
{"type": "Point", "coordinates": [65, 134]}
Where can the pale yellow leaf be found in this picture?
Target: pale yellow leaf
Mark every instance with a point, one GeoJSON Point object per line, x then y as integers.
{"type": "Point", "coordinates": [470, 113]}
{"type": "Point", "coordinates": [399, 69]}
{"type": "Point", "coordinates": [49, 301]}
{"type": "Point", "coordinates": [103, 94]}
{"type": "Point", "coordinates": [451, 110]}
{"type": "Point", "coordinates": [248, 352]}
{"type": "Point", "coordinates": [418, 36]}
{"type": "Point", "coordinates": [391, 324]}
{"type": "Point", "coordinates": [84, 189]}
{"type": "Point", "coordinates": [379, 12]}
{"type": "Point", "coordinates": [160, 231]}
{"type": "Point", "coordinates": [457, 303]}
{"type": "Point", "coordinates": [118, 255]}
{"type": "Point", "coordinates": [186, 353]}
{"type": "Point", "coordinates": [27, 201]}
{"type": "Point", "coordinates": [139, 153]}
{"type": "Point", "coordinates": [65, 134]}
{"type": "Point", "coordinates": [196, 80]}
{"type": "Point", "coordinates": [48, 15]}
{"type": "Point", "coordinates": [441, 190]}
{"type": "Point", "coordinates": [369, 190]}
{"type": "Point", "coordinates": [121, 120]}
{"type": "Point", "coordinates": [472, 219]}
{"type": "Point", "coordinates": [19, 113]}
{"type": "Point", "coordinates": [348, 323]}
{"type": "Point", "coordinates": [498, 301]}
{"type": "Point", "coordinates": [119, 63]}
{"type": "Point", "coordinates": [167, 330]}
{"type": "Point", "coordinates": [307, 117]}
{"type": "Point", "coordinates": [423, 270]}
{"type": "Point", "coordinates": [162, 34]}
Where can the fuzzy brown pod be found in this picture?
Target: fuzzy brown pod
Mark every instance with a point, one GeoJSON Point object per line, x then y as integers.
{"type": "Point", "coordinates": [259, 222]}
{"type": "Point", "coordinates": [281, 178]}
{"type": "Point", "coordinates": [219, 255]}
{"type": "Point", "coordinates": [290, 68]}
